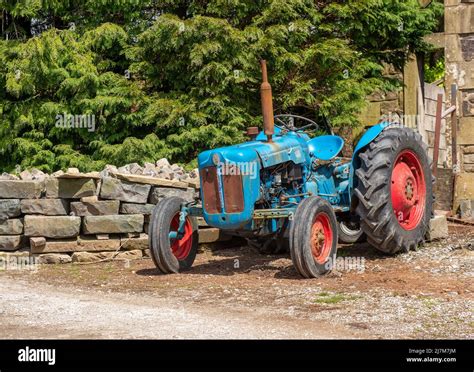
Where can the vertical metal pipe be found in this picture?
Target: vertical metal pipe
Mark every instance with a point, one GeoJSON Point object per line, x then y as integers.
{"type": "Point", "coordinates": [267, 103]}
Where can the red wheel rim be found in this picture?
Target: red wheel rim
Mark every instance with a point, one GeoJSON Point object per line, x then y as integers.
{"type": "Point", "coordinates": [181, 247]}
{"type": "Point", "coordinates": [321, 238]}
{"type": "Point", "coordinates": [408, 190]}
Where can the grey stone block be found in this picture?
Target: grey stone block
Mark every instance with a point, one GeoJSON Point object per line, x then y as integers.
{"type": "Point", "coordinates": [465, 207]}
{"type": "Point", "coordinates": [48, 207]}
{"type": "Point", "coordinates": [92, 257]}
{"type": "Point", "coordinates": [438, 228]}
{"type": "Point", "coordinates": [20, 189]}
{"type": "Point", "coordinates": [140, 243]}
{"type": "Point", "coordinates": [113, 188]}
{"type": "Point", "coordinates": [159, 193]}
{"type": "Point", "coordinates": [98, 208]}
{"type": "Point", "coordinates": [113, 224]}
{"type": "Point", "coordinates": [130, 255]}
{"type": "Point", "coordinates": [9, 208]}
{"type": "Point", "coordinates": [11, 227]}
{"type": "Point", "coordinates": [70, 188]}
{"type": "Point", "coordinates": [54, 258]}
{"type": "Point", "coordinates": [11, 242]}
{"type": "Point", "coordinates": [131, 208]}
{"type": "Point", "coordinates": [80, 244]}
{"type": "Point", "coordinates": [52, 226]}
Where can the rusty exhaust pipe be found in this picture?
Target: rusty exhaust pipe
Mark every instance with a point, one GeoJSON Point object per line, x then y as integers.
{"type": "Point", "coordinates": [267, 103]}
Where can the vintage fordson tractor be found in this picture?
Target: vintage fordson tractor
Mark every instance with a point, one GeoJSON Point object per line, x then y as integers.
{"type": "Point", "coordinates": [283, 186]}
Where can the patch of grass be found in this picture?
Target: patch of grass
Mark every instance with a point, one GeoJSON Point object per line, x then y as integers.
{"type": "Point", "coordinates": [412, 311]}
{"type": "Point", "coordinates": [103, 276]}
{"type": "Point", "coordinates": [429, 302]}
{"type": "Point", "coordinates": [333, 298]}
{"type": "Point", "coordinates": [109, 268]}
{"type": "Point", "coordinates": [75, 271]}
{"type": "Point", "coordinates": [434, 315]}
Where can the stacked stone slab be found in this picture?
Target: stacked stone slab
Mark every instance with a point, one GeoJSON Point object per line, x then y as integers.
{"type": "Point", "coordinates": [86, 217]}
{"type": "Point", "coordinates": [11, 219]}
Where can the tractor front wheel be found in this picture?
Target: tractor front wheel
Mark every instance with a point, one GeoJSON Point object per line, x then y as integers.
{"type": "Point", "coordinates": [172, 253]}
{"type": "Point", "coordinates": [313, 237]}
{"type": "Point", "coordinates": [394, 188]}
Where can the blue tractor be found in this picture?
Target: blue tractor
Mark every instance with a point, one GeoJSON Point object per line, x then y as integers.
{"type": "Point", "coordinates": [284, 188]}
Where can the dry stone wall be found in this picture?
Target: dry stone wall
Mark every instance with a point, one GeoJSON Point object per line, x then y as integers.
{"type": "Point", "coordinates": [85, 217]}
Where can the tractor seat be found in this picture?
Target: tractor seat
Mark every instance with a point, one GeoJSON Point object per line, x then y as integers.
{"type": "Point", "coordinates": [325, 147]}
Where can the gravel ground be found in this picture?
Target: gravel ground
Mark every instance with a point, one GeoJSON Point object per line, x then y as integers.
{"type": "Point", "coordinates": [238, 293]}
{"type": "Point", "coordinates": [49, 312]}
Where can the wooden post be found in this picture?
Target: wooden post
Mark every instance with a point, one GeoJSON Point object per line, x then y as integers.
{"type": "Point", "coordinates": [439, 113]}
{"type": "Point", "coordinates": [454, 140]}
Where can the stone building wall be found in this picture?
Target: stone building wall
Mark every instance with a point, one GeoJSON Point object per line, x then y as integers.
{"type": "Point", "coordinates": [384, 104]}
{"type": "Point", "coordinates": [459, 54]}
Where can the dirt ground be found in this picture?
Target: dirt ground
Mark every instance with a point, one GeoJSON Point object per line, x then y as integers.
{"type": "Point", "coordinates": [238, 293]}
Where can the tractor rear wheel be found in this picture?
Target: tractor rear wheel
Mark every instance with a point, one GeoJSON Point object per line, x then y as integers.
{"type": "Point", "coordinates": [394, 189]}
{"type": "Point", "coordinates": [313, 237]}
{"type": "Point", "coordinates": [172, 255]}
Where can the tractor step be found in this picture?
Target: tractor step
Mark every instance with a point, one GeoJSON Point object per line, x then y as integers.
{"type": "Point", "coordinates": [264, 214]}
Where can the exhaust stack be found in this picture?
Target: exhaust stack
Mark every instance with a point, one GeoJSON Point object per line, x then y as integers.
{"type": "Point", "coordinates": [267, 103]}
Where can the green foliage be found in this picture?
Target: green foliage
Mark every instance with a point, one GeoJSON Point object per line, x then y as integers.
{"type": "Point", "coordinates": [435, 69]}
{"type": "Point", "coordinates": [168, 78]}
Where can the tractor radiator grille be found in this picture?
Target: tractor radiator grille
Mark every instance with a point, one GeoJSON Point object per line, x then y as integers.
{"type": "Point", "coordinates": [232, 190]}
{"type": "Point", "coordinates": [210, 190]}
{"type": "Point", "coordinates": [233, 193]}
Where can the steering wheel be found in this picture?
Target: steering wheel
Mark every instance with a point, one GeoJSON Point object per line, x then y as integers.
{"type": "Point", "coordinates": [291, 127]}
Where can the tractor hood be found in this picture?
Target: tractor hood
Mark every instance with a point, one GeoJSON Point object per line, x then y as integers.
{"type": "Point", "coordinates": [289, 147]}
{"type": "Point", "coordinates": [228, 196]}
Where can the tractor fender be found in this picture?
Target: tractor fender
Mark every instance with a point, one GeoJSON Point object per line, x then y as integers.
{"type": "Point", "coordinates": [371, 134]}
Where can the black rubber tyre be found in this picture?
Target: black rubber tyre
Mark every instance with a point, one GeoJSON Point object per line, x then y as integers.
{"type": "Point", "coordinates": [161, 220]}
{"type": "Point", "coordinates": [349, 233]}
{"type": "Point", "coordinates": [374, 181]}
{"type": "Point", "coordinates": [312, 213]}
